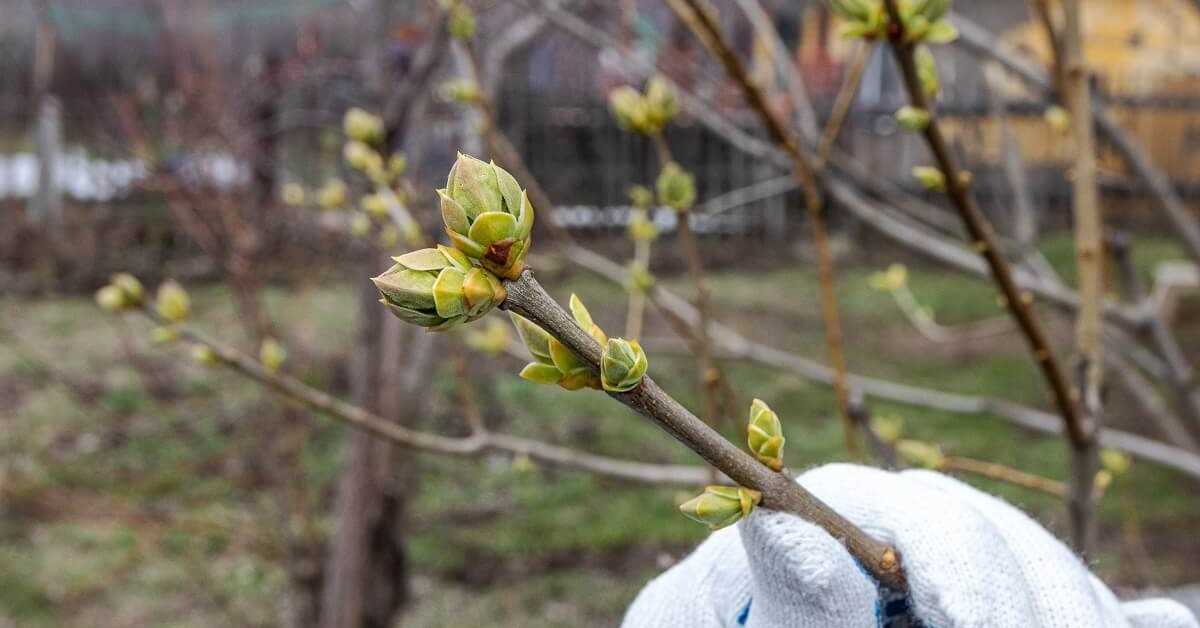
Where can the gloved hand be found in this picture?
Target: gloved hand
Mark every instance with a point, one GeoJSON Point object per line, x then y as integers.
{"type": "Point", "coordinates": [971, 560]}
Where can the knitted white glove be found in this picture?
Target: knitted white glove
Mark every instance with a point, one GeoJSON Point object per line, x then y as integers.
{"type": "Point", "coordinates": [971, 560]}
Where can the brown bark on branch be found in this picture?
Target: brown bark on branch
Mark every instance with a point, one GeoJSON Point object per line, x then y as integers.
{"type": "Point", "coordinates": [780, 492]}
{"type": "Point", "coordinates": [1079, 432]}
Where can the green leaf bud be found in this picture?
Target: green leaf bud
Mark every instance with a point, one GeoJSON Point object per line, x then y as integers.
{"type": "Point", "coordinates": [438, 289]}
{"type": "Point", "coordinates": [921, 454]}
{"type": "Point", "coordinates": [553, 362]}
{"type": "Point", "coordinates": [389, 236]}
{"type": "Point", "coordinates": [629, 109]}
{"type": "Point", "coordinates": [765, 435]}
{"type": "Point", "coordinates": [721, 506]}
{"type": "Point", "coordinates": [375, 204]}
{"type": "Point", "coordinates": [640, 278]}
{"type": "Point", "coordinates": [462, 91]}
{"type": "Point", "coordinates": [890, 280]}
{"type": "Point", "coordinates": [204, 355]}
{"type": "Point", "coordinates": [110, 298]}
{"type": "Point", "coordinates": [933, 10]}
{"type": "Point", "coordinates": [584, 318]}
{"type": "Point", "coordinates": [927, 73]}
{"type": "Point", "coordinates": [164, 334]}
{"type": "Point", "coordinates": [362, 126]}
{"type": "Point", "coordinates": [659, 103]}
{"type": "Point", "coordinates": [852, 10]}
{"type": "Point", "coordinates": [930, 178]}
{"type": "Point", "coordinates": [641, 197]}
{"type": "Point", "coordinates": [641, 229]}
{"type": "Point", "coordinates": [622, 365]}
{"type": "Point", "coordinates": [1058, 119]}
{"type": "Point", "coordinates": [912, 118]}
{"type": "Point", "coordinates": [676, 188]}
{"type": "Point", "coordinates": [888, 428]}
{"type": "Point", "coordinates": [332, 195]}
{"type": "Point", "coordinates": [941, 32]}
{"type": "Point", "coordinates": [173, 302]}
{"type": "Point", "coordinates": [461, 21]}
{"type": "Point", "coordinates": [1115, 461]}
{"type": "Point", "coordinates": [397, 164]}
{"type": "Point", "coordinates": [361, 157]}
{"type": "Point", "coordinates": [487, 215]}
{"type": "Point", "coordinates": [271, 354]}
{"type": "Point", "coordinates": [292, 194]}
{"type": "Point", "coordinates": [360, 225]}
{"type": "Point", "coordinates": [130, 288]}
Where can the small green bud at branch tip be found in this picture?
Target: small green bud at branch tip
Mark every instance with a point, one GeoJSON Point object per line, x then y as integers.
{"type": "Point", "coordinates": [721, 506]}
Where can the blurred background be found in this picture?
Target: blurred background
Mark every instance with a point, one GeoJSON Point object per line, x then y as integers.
{"type": "Point", "coordinates": [202, 141]}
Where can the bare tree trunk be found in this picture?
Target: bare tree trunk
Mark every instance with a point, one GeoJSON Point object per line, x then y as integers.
{"type": "Point", "coordinates": [366, 579]}
{"type": "Point", "coordinates": [46, 206]}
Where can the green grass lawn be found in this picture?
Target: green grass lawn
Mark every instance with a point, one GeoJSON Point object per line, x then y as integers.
{"type": "Point", "coordinates": [138, 508]}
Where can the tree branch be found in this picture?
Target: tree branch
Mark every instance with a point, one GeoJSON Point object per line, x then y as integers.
{"type": "Point", "coordinates": [1080, 432]}
{"type": "Point", "coordinates": [478, 443]}
{"type": "Point", "coordinates": [981, 43]}
{"type": "Point", "coordinates": [780, 492]}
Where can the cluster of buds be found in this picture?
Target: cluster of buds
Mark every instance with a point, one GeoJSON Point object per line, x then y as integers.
{"type": "Point", "coordinates": [922, 20]}
{"type": "Point", "coordinates": [647, 113]}
{"type": "Point", "coordinates": [721, 506]}
{"type": "Point", "coordinates": [765, 435]}
{"type": "Point", "coordinates": [676, 187]}
{"type": "Point", "coordinates": [438, 288]}
{"type": "Point", "coordinates": [365, 134]}
{"type": "Point", "coordinates": [553, 362]}
{"type": "Point", "coordinates": [123, 292]}
{"type": "Point", "coordinates": [487, 215]}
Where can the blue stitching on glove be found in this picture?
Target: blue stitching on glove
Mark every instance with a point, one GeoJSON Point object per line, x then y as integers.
{"type": "Point", "coordinates": [744, 615]}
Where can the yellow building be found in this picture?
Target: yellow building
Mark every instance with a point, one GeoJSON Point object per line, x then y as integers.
{"type": "Point", "coordinates": [1145, 57]}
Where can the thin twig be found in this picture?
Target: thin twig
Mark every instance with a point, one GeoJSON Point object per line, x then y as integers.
{"type": "Point", "coordinates": [699, 18]}
{"type": "Point", "coordinates": [734, 345]}
{"type": "Point", "coordinates": [844, 101]}
{"type": "Point", "coordinates": [980, 42]}
{"type": "Point", "coordinates": [1003, 473]}
{"type": "Point", "coordinates": [780, 492]}
{"type": "Point", "coordinates": [1080, 433]}
{"type": "Point", "coordinates": [709, 374]}
{"type": "Point", "coordinates": [479, 442]}
{"type": "Point", "coordinates": [1089, 256]}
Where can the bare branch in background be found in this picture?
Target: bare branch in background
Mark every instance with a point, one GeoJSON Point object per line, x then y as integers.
{"type": "Point", "coordinates": [981, 43]}
{"type": "Point", "coordinates": [699, 18]}
{"type": "Point", "coordinates": [479, 442]}
{"type": "Point", "coordinates": [1089, 262]}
